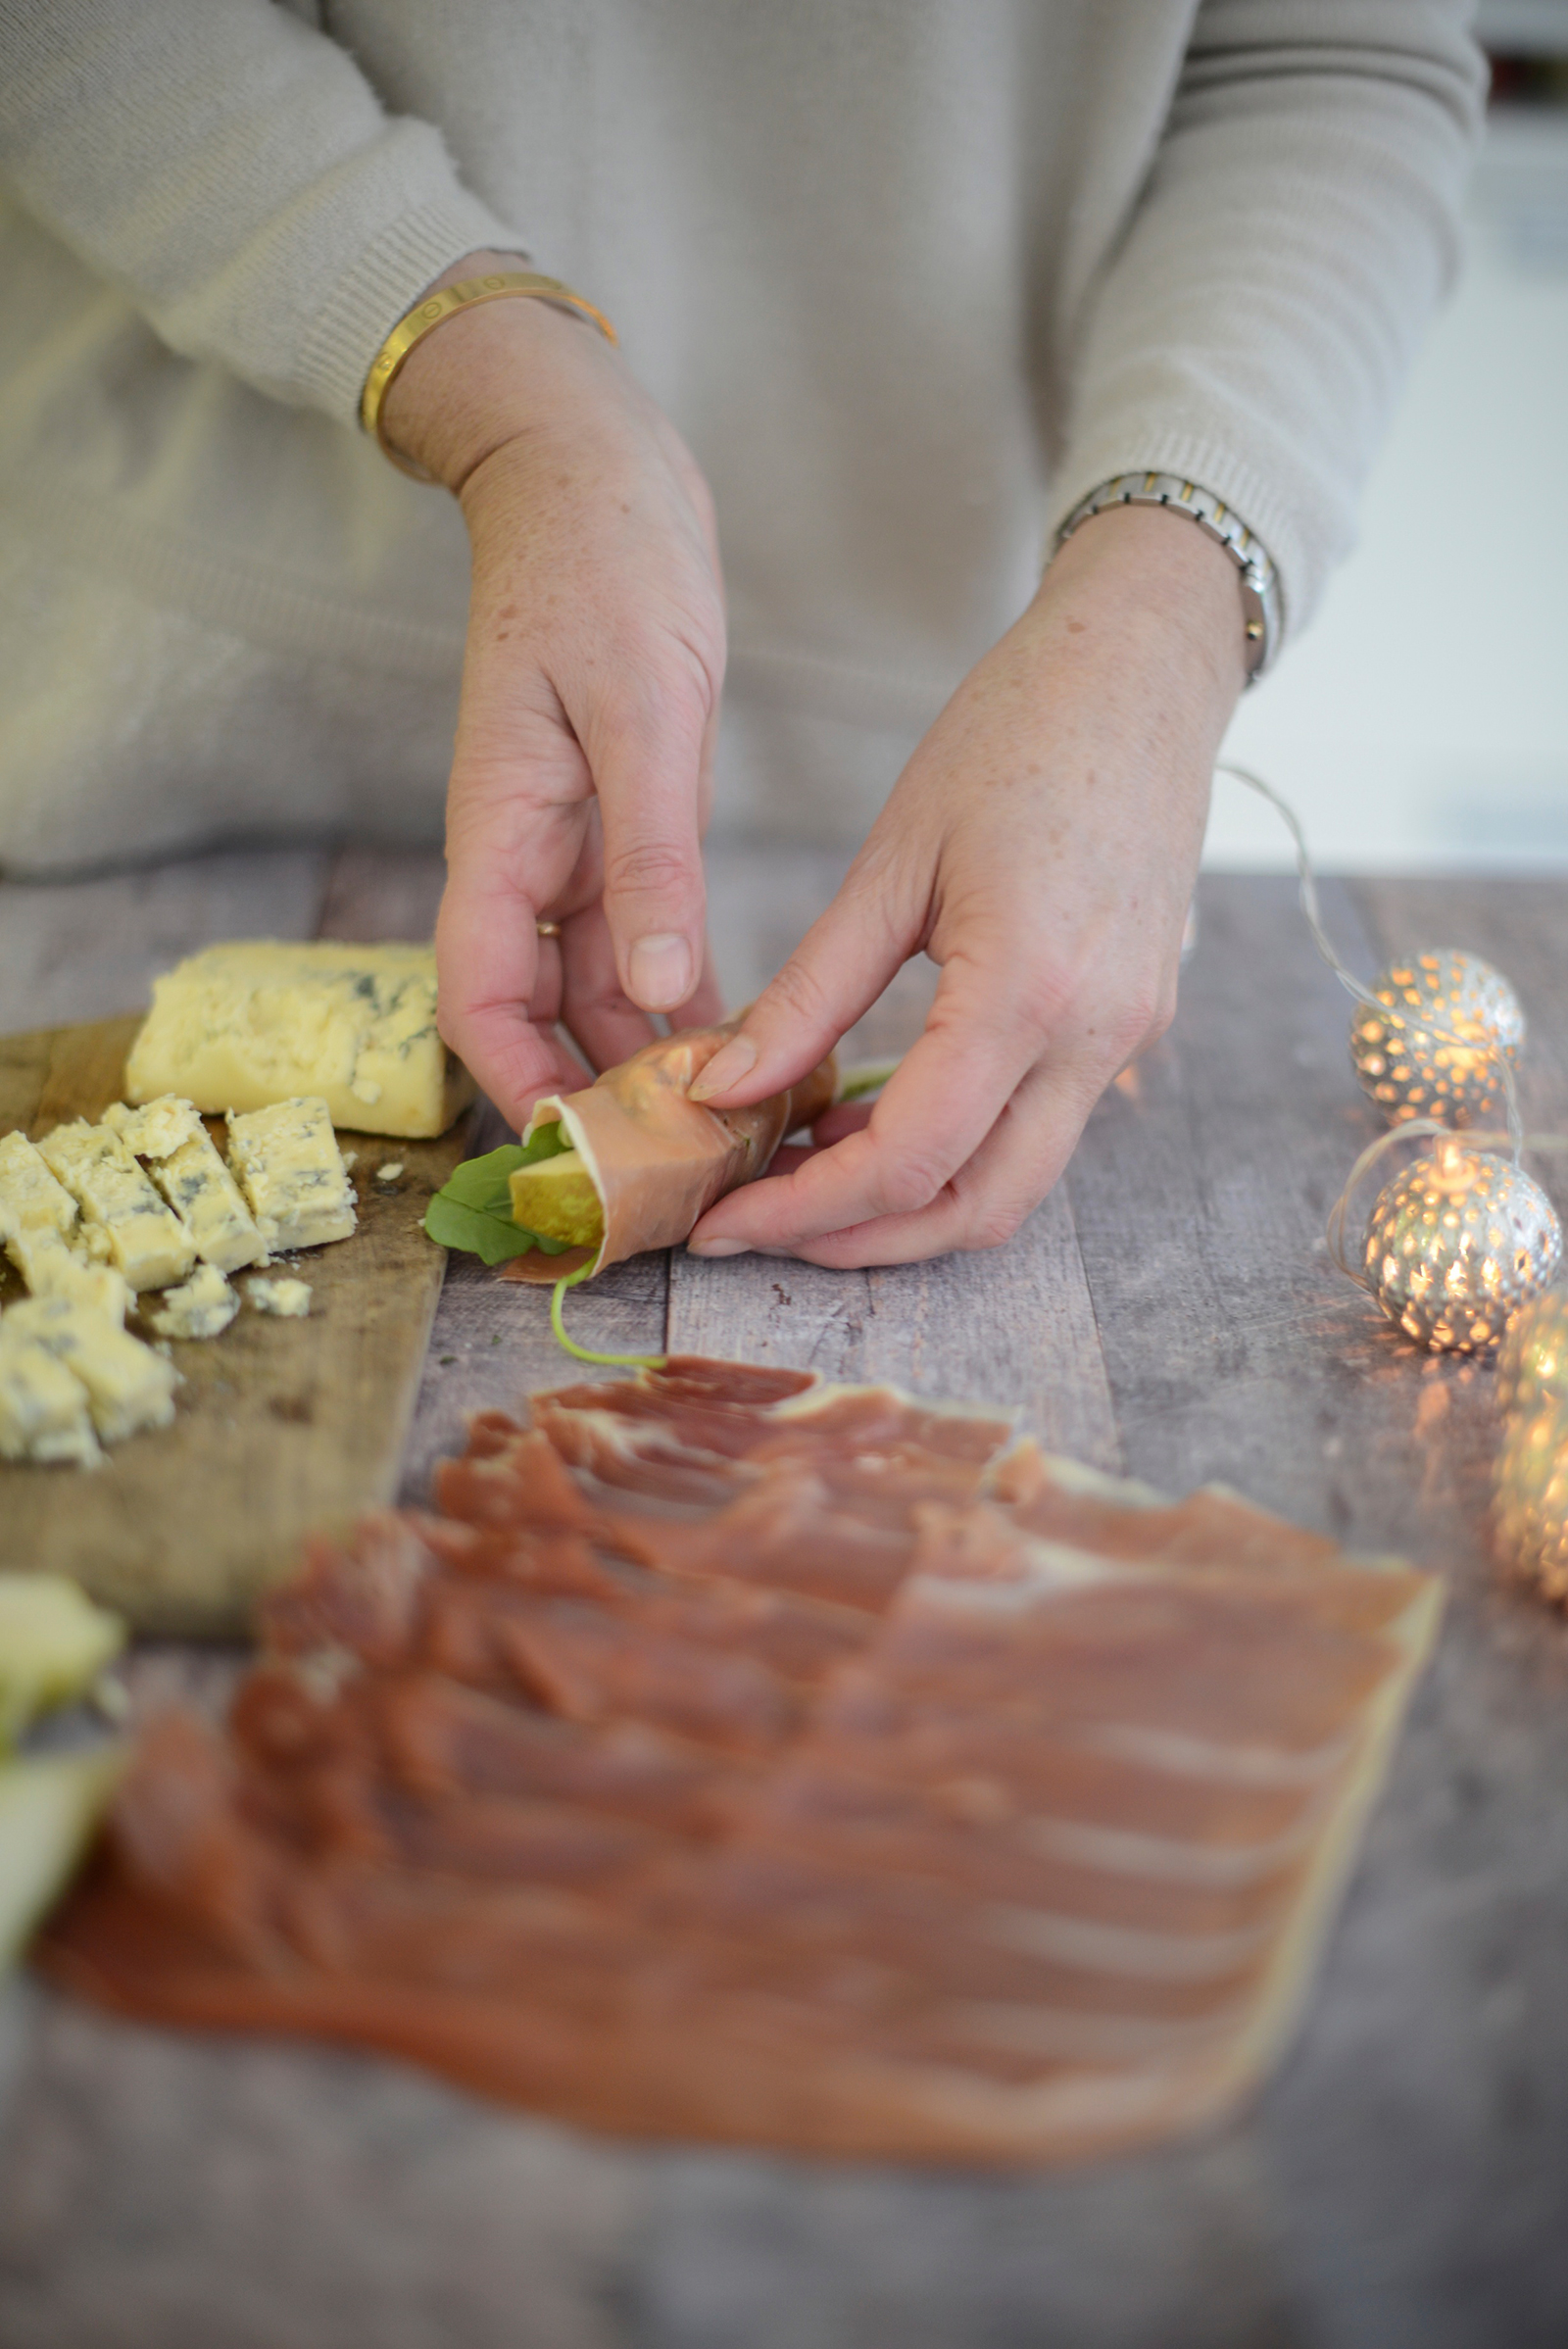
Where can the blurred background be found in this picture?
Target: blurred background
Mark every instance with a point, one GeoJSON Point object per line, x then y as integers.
{"type": "Point", "coordinates": [1423, 720]}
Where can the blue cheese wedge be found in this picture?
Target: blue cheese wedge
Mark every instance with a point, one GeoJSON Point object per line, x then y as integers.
{"type": "Point", "coordinates": [128, 1386]}
{"type": "Point", "coordinates": [148, 1243]}
{"type": "Point", "coordinates": [43, 1409]}
{"type": "Point", "coordinates": [289, 1167]}
{"type": "Point", "coordinates": [202, 1307]}
{"type": "Point", "coordinates": [193, 1178]}
{"type": "Point", "coordinates": [245, 1025]}
{"type": "Point", "coordinates": [290, 1300]}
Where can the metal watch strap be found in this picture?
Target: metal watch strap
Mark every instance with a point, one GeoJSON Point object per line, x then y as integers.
{"type": "Point", "coordinates": [1260, 596]}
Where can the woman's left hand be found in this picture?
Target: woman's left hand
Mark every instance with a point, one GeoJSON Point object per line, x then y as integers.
{"type": "Point", "coordinates": [1041, 846]}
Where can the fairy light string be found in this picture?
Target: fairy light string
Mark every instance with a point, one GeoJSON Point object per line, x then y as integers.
{"type": "Point", "coordinates": [1514, 1140]}
{"type": "Point", "coordinates": [1460, 1142]}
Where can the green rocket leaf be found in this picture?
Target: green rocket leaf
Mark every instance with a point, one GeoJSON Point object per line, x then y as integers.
{"type": "Point", "coordinates": [472, 1209]}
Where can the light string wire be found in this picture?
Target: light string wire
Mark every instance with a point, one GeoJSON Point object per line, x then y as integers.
{"type": "Point", "coordinates": [1515, 1140]}
{"type": "Point", "coordinates": [1312, 914]}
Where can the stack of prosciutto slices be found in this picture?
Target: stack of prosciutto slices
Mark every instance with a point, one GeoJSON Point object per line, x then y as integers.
{"type": "Point", "coordinates": [734, 1757]}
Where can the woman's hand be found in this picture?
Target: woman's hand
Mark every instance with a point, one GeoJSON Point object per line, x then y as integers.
{"type": "Point", "coordinates": [591, 681]}
{"type": "Point", "coordinates": [1041, 846]}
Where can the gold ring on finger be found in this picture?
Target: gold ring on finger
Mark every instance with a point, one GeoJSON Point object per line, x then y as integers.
{"type": "Point", "coordinates": [548, 929]}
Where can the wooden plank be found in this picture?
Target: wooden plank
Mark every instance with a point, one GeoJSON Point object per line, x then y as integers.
{"type": "Point", "coordinates": [1013, 1328]}
{"type": "Point", "coordinates": [74, 951]}
{"type": "Point", "coordinates": [1201, 1188]}
{"type": "Point", "coordinates": [280, 1425]}
{"type": "Point", "coordinates": [196, 2192]}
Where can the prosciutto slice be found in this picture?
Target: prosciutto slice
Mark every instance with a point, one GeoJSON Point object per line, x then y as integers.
{"type": "Point", "coordinates": [734, 1757]}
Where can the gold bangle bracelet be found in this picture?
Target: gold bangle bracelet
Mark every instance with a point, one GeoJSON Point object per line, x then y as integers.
{"type": "Point", "coordinates": [415, 324]}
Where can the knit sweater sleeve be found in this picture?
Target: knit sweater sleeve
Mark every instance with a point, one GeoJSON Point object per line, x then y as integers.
{"type": "Point", "coordinates": [1263, 302]}
{"type": "Point", "coordinates": [234, 174]}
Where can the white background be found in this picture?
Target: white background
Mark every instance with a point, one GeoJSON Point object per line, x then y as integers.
{"type": "Point", "coordinates": [1422, 721]}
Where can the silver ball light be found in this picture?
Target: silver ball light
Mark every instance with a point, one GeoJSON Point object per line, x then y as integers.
{"type": "Point", "coordinates": [1533, 1360]}
{"type": "Point", "coordinates": [1411, 1073]}
{"type": "Point", "coordinates": [1530, 1500]}
{"type": "Point", "coordinates": [1456, 1244]}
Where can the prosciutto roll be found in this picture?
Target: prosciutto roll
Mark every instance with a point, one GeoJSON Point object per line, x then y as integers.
{"type": "Point", "coordinates": [657, 1160]}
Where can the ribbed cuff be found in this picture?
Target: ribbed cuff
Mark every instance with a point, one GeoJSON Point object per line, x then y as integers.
{"type": "Point", "coordinates": [386, 279]}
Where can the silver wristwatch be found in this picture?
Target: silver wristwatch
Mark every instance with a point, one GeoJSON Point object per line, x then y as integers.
{"type": "Point", "coordinates": [1260, 595]}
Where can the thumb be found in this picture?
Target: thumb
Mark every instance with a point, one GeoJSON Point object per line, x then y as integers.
{"type": "Point", "coordinates": [832, 979]}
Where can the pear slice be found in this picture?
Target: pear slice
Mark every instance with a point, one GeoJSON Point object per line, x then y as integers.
{"type": "Point", "coordinates": [54, 1642]}
{"type": "Point", "coordinates": [556, 1199]}
{"type": "Point", "coordinates": [49, 1806]}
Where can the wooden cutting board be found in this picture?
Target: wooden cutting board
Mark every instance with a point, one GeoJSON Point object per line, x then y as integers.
{"type": "Point", "coordinates": [279, 1425]}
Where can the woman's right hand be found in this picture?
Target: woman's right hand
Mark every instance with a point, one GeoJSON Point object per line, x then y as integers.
{"type": "Point", "coordinates": [581, 776]}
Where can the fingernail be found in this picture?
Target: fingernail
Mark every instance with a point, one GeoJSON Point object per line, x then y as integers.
{"type": "Point", "coordinates": [660, 971]}
{"type": "Point", "coordinates": [715, 1248]}
{"type": "Point", "coordinates": [733, 1060]}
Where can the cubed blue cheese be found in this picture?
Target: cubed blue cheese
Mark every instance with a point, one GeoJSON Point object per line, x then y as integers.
{"type": "Point", "coordinates": [247, 1024]}
{"type": "Point", "coordinates": [129, 1385]}
{"type": "Point", "coordinates": [202, 1307]}
{"type": "Point", "coordinates": [209, 1203]}
{"type": "Point", "coordinates": [289, 1167]}
{"type": "Point", "coordinates": [44, 1413]}
{"type": "Point", "coordinates": [52, 1269]}
{"type": "Point", "coordinates": [148, 1243]}
{"type": "Point", "coordinates": [30, 1198]}
{"type": "Point", "coordinates": [193, 1177]}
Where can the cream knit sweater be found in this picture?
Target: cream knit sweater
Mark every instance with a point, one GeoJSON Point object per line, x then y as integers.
{"type": "Point", "coordinates": [911, 276]}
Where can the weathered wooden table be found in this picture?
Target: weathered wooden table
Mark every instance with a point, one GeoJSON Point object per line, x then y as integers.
{"type": "Point", "coordinates": [1169, 1310]}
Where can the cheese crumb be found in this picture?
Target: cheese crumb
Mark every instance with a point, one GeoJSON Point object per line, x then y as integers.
{"type": "Point", "coordinates": [289, 1300]}
{"type": "Point", "coordinates": [157, 1130]}
{"type": "Point", "coordinates": [202, 1309]}
{"type": "Point", "coordinates": [391, 1173]}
